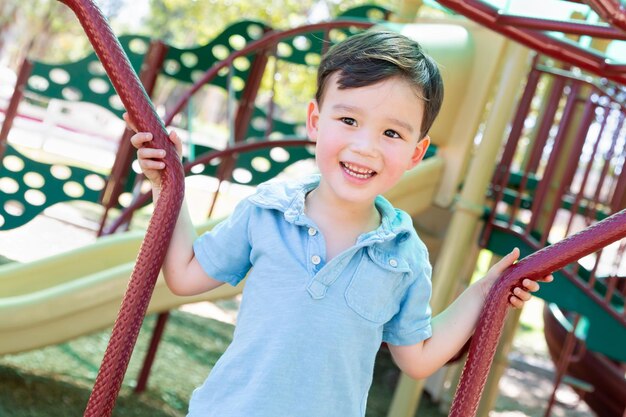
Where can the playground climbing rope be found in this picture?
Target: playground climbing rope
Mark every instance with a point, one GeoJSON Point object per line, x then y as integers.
{"type": "Point", "coordinates": [152, 251]}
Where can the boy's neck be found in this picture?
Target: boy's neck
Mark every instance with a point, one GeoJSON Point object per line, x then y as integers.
{"type": "Point", "coordinates": [325, 209]}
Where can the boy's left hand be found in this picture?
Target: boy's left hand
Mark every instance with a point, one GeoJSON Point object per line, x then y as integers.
{"type": "Point", "coordinates": [520, 294]}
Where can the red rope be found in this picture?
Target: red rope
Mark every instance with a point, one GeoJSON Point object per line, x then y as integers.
{"type": "Point", "coordinates": [491, 321]}
{"type": "Point", "coordinates": [156, 241]}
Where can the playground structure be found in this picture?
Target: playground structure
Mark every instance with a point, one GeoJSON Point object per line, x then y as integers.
{"type": "Point", "coordinates": [448, 168]}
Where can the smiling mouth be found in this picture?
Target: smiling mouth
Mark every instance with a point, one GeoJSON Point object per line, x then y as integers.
{"type": "Point", "coordinates": [357, 171]}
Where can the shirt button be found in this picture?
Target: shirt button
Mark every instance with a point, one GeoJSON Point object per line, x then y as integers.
{"type": "Point", "coordinates": [393, 263]}
{"type": "Point", "coordinates": [316, 260]}
{"type": "Point", "coordinates": [312, 231]}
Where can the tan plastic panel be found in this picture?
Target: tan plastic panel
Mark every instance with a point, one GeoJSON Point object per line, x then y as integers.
{"type": "Point", "coordinates": [469, 57]}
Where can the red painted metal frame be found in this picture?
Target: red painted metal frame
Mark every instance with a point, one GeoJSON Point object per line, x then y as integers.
{"type": "Point", "coordinates": [580, 195]}
{"type": "Point", "coordinates": [544, 186]}
{"type": "Point", "coordinates": [620, 187]}
{"type": "Point", "coordinates": [153, 249]}
{"type": "Point", "coordinates": [561, 50]}
{"type": "Point", "coordinates": [18, 91]}
{"type": "Point", "coordinates": [611, 11]}
{"type": "Point", "coordinates": [566, 357]}
{"type": "Point", "coordinates": [572, 164]}
{"type": "Point", "coordinates": [573, 28]}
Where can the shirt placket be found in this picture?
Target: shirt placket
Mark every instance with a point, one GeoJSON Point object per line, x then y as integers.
{"type": "Point", "coordinates": [328, 274]}
{"type": "Point", "coordinates": [315, 251]}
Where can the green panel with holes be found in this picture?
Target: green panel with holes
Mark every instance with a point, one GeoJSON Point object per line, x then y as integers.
{"type": "Point", "coordinates": [85, 80]}
{"type": "Point", "coordinates": [259, 128]}
{"type": "Point", "coordinates": [260, 165]}
{"type": "Point", "coordinates": [189, 65]}
{"type": "Point", "coordinates": [209, 169]}
{"type": "Point", "coordinates": [27, 187]}
{"type": "Point", "coordinates": [307, 48]}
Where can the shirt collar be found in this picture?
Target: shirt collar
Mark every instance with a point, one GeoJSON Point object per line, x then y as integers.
{"type": "Point", "coordinates": [289, 198]}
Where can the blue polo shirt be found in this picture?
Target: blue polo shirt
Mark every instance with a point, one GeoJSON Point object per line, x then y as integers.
{"type": "Point", "coordinates": [308, 330]}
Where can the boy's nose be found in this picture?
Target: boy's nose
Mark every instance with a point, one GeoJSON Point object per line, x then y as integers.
{"type": "Point", "coordinates": [365, 144]}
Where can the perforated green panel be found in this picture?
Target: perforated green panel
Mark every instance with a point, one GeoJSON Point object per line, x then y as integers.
{"type": "Point", "coordinates": [189, 65]}
{"type": "Point", "coordinates": [255, 167]}
{"type": "Point", "coordinates": [27, 187]}
{"type": "Point", "coordinates": [259, 127]}
{"type": "Point", "coordinates": [264, 164]}
{"type": "Point", "coordinates": [85, 80]}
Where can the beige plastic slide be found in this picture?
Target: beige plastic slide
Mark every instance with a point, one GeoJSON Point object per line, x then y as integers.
{"type": "Point", "coordinates": [64, 296]}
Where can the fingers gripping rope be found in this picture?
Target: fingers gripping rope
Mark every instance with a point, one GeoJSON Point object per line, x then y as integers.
{"type": "Point", "coordinates": [156, 241]}
{"type": "Point", "coordinates": [491, 321]}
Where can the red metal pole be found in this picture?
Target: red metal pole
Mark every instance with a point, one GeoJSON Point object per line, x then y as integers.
{"type": "Point", "coordinates": [503, 170]}
{"type": "Point", "coordinates": [611, 11]}
{"type": "Point", "coordinates": [574, 28]}
{"type": "Point", "coordinates": [565, 357]}
{"type": "Point", "coordinates": [157, 333]}
{"type": "Point", "coordinates": [571, 53]}
{"type": "Point", "coordinates": [583, 185]}
{"type": "Point", "coordinates": [572, 164]}
{"type": "Point", "coordinates": [620, 186]}
{"type": "Point", "coordinates": [544, 185]}
{"type": "Point", "coordinates": [609, 156]}
{"type": "Point", "coordinates": [18, 92]}
{"type": "Point", "coordinates": [570, 169]}
{"type": "Point", "coordinates": [547, 120]}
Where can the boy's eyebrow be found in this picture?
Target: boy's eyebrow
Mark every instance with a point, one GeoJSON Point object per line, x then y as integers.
{"type": "Point", "coordinates": [348, 108]}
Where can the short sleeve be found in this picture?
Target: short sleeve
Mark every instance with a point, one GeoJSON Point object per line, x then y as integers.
{"type": "Point", "coordinates": [412, 322]}
{"type": "Point", "coordinates": [224, 252]}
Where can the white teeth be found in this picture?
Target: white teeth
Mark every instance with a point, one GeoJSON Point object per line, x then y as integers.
{"type": "Point", "coordinates": [358, 172]}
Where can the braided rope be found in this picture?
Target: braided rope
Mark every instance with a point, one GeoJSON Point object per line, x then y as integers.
{"type": "Point", "coordinates": [491, 321]}
{"type": "Point", "coordinates": [156, 241]}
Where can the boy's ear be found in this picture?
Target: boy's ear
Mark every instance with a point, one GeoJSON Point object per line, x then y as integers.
{"type": "Point", "coordinates": [420, 151]}
{"type": "Point", "coordinates": [312, 120]}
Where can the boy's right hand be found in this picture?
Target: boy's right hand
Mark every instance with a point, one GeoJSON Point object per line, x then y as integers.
{"type": "Point", "coordinates": [151, 159]}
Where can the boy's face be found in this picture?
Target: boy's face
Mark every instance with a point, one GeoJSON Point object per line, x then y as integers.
{"type": "Point", "coordinates": [367, 137]}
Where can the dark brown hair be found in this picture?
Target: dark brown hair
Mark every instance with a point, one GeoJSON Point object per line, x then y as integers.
{"type": "Point", "coordinates": [373, 56]}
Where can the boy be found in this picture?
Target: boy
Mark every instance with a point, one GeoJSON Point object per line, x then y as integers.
{"type": "Point", "coordinates": [334, 269]}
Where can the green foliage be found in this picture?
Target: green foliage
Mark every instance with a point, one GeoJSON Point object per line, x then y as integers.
{"type": "Point", "coordinates": [49, 31]}
{"type": "Point", "coordinates": [187, 23]}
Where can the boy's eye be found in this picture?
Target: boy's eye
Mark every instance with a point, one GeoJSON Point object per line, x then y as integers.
{"type": "Point", "coordinates": [392, 134]}
{"type": "Point", "coordinates": [348, 120]}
